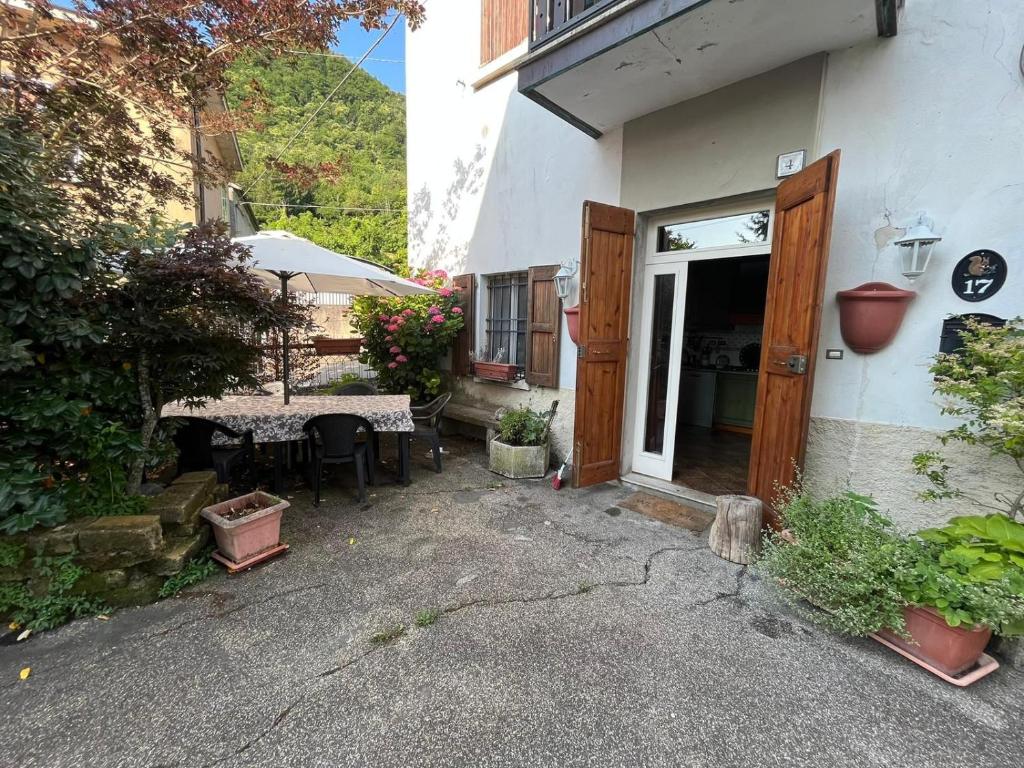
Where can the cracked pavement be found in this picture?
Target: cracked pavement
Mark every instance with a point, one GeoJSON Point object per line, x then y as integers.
{"type": "Point", "coordinates": [566, 636]}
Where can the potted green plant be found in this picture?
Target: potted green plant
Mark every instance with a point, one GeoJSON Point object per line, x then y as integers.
{"type": "Point", "coordinates": [521, 447]}
{"type": "Point", "coordinates": [935, 596]}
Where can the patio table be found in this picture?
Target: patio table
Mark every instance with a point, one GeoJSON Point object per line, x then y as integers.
{"type": "Point", "coordinates": [271, 421]}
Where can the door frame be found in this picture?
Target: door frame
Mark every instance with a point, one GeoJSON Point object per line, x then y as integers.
{"type": "Point", "coordinates": [656, 262]}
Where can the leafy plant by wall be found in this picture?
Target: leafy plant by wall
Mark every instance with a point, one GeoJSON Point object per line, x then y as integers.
{"type": "Point", "coordinates": [522, 426]}
{"type": "Point", "coordinates": [983, 386]}
{"type": "Point", "coordinates": [405, 337]}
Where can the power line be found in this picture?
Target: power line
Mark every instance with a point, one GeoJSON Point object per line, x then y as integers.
{"type": "Point", "coordinates": [330, 55]}
{"type": "Point", "coordinates": [319, 109]}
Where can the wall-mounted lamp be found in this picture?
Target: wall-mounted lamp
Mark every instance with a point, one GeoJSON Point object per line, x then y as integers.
{"type": "Point", "coordinates": [562, 279]}
{"type": "Point", "coordinates": [916, 248]}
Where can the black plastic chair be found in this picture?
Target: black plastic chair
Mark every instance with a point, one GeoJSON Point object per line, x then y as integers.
{"type": "Point", "coordinates": [193, 437]}
{"type": "Point", "coordinates": [357, 388]}
{"type": "Point", "coordinates": [426, 420]}
{"type": "Point", "coordinates": [333, 439]}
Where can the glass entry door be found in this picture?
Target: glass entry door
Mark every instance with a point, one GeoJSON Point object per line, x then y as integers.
{"type": "Point", "coordinates": [661, 342]}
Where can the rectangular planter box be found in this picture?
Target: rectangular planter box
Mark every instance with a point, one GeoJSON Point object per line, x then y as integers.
{"type": "Point", "coordinates": [519, 461]}
{"type": "Point", "coordinates": [496, 371]}
{"type": "Point", "coordinates": [244, 537]}
{"type": "Point", "coordinates": [325, 346]}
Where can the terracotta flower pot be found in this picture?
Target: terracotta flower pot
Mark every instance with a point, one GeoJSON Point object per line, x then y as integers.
{"type": "Point", "coordinates": [241, 538]}
{"type": "Point", "coordinates": [871, 314]}
{"type": "Point", "coordinates": [325, 346]}
{"type": "Point", "coordinates": [572, 319]}
{"type": "Point", "coordinates": [951, 650]}
{"type": "Point", "coordinates": [496, 371]}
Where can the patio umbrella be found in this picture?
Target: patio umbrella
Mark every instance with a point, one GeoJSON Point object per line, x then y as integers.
{"type": "Point", "coordinates": [293, 263]}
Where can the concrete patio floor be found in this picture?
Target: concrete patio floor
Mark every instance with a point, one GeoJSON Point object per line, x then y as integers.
{"type": "Point", "coordinates": [572, 633]}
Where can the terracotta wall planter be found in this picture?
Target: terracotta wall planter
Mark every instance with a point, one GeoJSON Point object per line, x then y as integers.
{"type": "Point", "coordinates": [572, 319]}
{"type": "Point", "coordinates": [325, 346]}
{"type": "Point", "coordinates": [871, 314]}
{"type": "Point", "coordinates": [951, 650]}
{"type": "Point", "coordinates": [245, 537]}
{"type": "Point", "coordinates": [496, 371]}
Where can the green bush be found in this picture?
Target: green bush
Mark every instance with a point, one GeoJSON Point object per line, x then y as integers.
{"type": "Point", "coordinates": [849, 562]}
{"type": "Point", "coordinates": [405, 337]}
{"type": "Point", "coordinates": [196, 570]}
{"type": "Point", "coordinates": [522, 427]}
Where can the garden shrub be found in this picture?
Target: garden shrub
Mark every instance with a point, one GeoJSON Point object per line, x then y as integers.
{"type": "Point", "coordinates": [404, 337]}
{"type": "Point", "coordinates": [522, 426]}
{"type": "Point", "coordinates": [57, 605]}
{"type": "Point", "coordinates": [982, 385]}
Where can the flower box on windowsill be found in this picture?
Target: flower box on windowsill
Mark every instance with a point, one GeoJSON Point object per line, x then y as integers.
{"type": "Point", "coordinates": [496, 371]}
{"type": "Point", "coordinates": [325, 346]}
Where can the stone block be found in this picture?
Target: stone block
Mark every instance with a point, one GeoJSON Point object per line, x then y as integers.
{"type": "Point", "coordinates": [518, 461]}
{"type": "Point", "coordinates": [179, 505]}
{"type": "Point", "coordinates": [100, 583]}
{"type": "Point", "coordinates": [177, 552]}
{"type": "Point", "coordinates": [119, 541]}
{"type": "Point", "coordinates": [62, 540]}
{"type": "Point", "coordinates": [205, 479]}
{"type": "Point", "coordinates": [140, 589]}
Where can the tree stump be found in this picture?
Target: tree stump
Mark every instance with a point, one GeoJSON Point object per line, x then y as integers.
{"type": "Point", "coordinates": [736, 533]}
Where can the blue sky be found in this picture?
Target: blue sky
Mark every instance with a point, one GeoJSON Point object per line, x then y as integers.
{"type": "Point", "coordinates": [387, 62]}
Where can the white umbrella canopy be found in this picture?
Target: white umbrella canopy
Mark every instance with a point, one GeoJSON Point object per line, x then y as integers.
{"type": "Point", "coordinates": [308, 268]}
{"type": "Point", "coordinates": [293, 263]}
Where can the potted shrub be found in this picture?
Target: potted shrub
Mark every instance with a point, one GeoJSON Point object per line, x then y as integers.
{"type": "Point", "coordinates": [521, 447]}
{"type": "Point", "coordinates": [936, 596]}
{"type": "Point", "coordinates": [246, 527]}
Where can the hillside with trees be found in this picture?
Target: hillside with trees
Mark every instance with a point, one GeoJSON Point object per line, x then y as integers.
{"type": "Point", "coordinates": [351, 156]}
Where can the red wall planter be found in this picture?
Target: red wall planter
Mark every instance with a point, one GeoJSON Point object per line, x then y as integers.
{"type": "Point", "coordinates": [871, 314]}
{"type": "Point", "coordinates": [325, 346]}
{"type": "Point", "coordinates": [572, 318]}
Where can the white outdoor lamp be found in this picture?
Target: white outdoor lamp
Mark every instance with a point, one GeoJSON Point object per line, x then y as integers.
{"type": "Point", "coordinates": [562, 280]}
{"type": "Point", "coordinates": [916, 248]}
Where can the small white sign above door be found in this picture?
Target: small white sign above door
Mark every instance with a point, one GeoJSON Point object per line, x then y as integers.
{"type": "Point", "coordinates": [790, 163]}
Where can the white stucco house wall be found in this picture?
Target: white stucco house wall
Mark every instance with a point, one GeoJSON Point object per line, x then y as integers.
{"type": "Point", "coordinates": [689, 112]}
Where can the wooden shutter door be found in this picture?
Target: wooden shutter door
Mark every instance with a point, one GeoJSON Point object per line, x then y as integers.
{"type": "Point", "coordinates": [606, 271]}
{"type": "Point", "coordinates": [466, 338]}
{"type": "Point", "coordinates": [796, 285]}
{"type": "Point", "coordinates": [544, 327]}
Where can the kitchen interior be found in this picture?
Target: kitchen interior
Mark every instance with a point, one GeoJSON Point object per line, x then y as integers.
{"type": "Point", "coordinates": [725, 303]}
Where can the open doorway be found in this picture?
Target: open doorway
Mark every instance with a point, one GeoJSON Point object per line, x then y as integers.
{"type": "Point", "coordinates": [722, 329]}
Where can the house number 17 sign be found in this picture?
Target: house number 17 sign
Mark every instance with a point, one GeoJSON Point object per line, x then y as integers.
{"type": "Point", "coordinates": [979, 275]}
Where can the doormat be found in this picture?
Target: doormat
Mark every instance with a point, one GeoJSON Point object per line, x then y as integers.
{"type": "Point", "coordinates": [666, 511]}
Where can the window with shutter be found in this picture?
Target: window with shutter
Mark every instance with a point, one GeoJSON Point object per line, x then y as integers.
{"type": "Point", "coordinates": [544, 326]}
{"type": "Point", "coordinates": [503, 26]}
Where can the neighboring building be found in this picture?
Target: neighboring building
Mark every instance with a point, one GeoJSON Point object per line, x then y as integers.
{"type": "Point", "coordinates": [224, 201]}
{"type": "Point", "coordinates": [686, 112]}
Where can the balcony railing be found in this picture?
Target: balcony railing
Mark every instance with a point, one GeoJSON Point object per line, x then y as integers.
{"type": "Point", "coordinates": [553, 18]}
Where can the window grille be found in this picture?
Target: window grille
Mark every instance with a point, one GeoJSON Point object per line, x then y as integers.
{"type": "Point", "coordinates": [505, 322]}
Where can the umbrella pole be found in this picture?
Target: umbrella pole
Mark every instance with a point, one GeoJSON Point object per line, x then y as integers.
{"type": "Point", "coordinates": [284, 341]}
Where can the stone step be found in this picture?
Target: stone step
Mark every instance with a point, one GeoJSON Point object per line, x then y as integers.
{"type": "Point", "coordinates": [119, 541]}
{"type": "Point", "coordinates": [180, 503]}
{"type": "Point", "coordinates": [177, 552]}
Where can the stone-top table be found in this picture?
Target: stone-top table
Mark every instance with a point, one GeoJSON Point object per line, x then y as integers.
{"type": "Point", "coordinates": [271, 421]}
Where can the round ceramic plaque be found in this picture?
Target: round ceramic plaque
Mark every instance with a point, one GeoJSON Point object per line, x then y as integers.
{"type": "Point", "coordinates": [979, 275]}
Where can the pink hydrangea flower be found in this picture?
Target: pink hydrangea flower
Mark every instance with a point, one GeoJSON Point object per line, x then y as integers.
{"type": "Point", "coordinates": [437, 318]}
{"type": "Point", "coordinates": [392, 328]}
{"type": "Point", "coordinates": [446, 292]}
{"type": "Point", "coordinates": [395, 350]}
{"type": "Point", "coordinates": [408, 312]}
{"type": "Point", "coordinates": [392, 365]}
{"type": "Point", "coordinates": [457, 310]}
{"type": "Point", "coordinates": [382, 318]}
{"type": "Point", "coordinates": [401, 359]}
{"type": "Point", "coordinates": [395, 318]}
{"type": "Point", "coordinates": [434, 310]}
{"type": "Point", "coordinates": [440, 273]}
{"type": "Point", "coordinates": [388, 338]}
